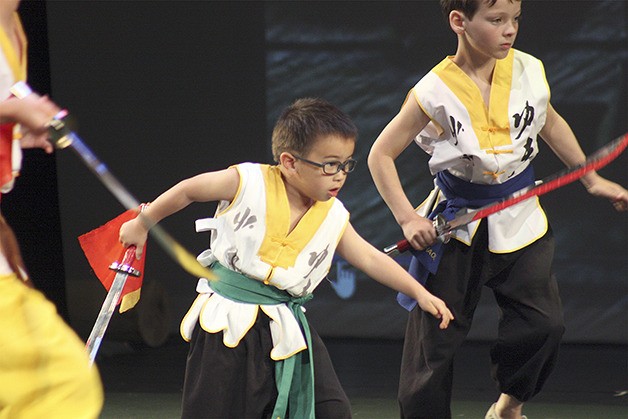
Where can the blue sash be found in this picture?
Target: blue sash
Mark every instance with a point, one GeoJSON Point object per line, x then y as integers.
{"type": "Point", "coordinates": [460, 194]}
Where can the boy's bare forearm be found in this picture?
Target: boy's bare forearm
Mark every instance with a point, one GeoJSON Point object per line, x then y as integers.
{"type": "Point", "coordinates": [386, 271]}
{"type": "Point", "coordinates": [386, 179]}
{"type": "Point", "coordinates": [558, 135]}
{"type": "Point", "coordinates": [210, 186]}
{"type": "Point", "coordinates": [393, 140]}
{"type": "Point", "coordinates": [561, 139]}
{"type": "Point", "coordinates": [375, 264]}
{"type": "Point", "coordinates": [166, 204]}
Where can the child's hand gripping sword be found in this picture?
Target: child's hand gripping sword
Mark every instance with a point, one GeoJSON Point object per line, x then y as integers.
{"type": "Point", "coordinates": [595, 161]}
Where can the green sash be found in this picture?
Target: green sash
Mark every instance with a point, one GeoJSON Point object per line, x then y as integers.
{"type": "Point", "coordinates": [294, 376]}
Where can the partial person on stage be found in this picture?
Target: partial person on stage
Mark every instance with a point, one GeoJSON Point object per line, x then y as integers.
{"type": "Point", "coordinates": [478, 114]}
{"type": "Point", "coordinates": [252, 352]}
{"type": "Point", "coordinates": [44, 369]}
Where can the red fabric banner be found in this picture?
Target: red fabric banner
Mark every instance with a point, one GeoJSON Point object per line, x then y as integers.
{"type": "Point", "coordinates": [102, 247]}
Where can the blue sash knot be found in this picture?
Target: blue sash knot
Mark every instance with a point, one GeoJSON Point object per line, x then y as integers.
{"type": "Point", "coordinates": [459, 194]}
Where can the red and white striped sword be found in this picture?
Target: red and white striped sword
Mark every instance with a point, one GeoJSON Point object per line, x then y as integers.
{"type": "Point", "coordinates": [595, 161]}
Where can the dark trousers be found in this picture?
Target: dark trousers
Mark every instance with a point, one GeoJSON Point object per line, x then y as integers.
{"type": "Point", "coordinates": [239, 382]}
{"type": "Point", "coordinates": [530, 324]}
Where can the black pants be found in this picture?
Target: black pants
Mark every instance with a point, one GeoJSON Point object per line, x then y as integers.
{"type": "Point", "coordinates": [239, 382]}
{"type": "Point", "coordinates": [530, 325]}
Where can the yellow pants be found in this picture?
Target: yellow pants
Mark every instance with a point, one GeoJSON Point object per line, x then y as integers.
{"type": "Point", "coordinates": [44, 369]}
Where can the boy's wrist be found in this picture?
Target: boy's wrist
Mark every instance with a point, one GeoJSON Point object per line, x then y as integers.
{"type": "Point", "coordinates": [589, 179]}
{"type": "Point", "coordinates": [143, 223]}
{"type": "Point", "coordinates": [421, 293]}
{"type": "Point", "coordinates": [405, 217]}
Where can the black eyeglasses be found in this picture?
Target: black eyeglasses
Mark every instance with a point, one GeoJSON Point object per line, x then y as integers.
{"type": "Point", "coordinates": [331, 167]}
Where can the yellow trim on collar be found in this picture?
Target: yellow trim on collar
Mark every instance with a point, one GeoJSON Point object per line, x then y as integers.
{"type": "Point", "coordinates": [280, 249]}
{"type": "Point", "coordinates": [491, 126]}
{"type": "Point", "coordinates": [15, 58]}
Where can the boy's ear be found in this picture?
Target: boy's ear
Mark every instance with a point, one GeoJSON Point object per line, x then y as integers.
{"type": "Point", "coordinates": [456, 21]}
{"type": "Point", "coordinates": [287, 160]}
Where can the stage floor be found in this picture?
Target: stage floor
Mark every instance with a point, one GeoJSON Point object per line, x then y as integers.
{"type": "Point", "coordinates": [590, 381]}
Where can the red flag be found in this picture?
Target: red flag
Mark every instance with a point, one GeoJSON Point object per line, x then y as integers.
{"type": "Point", "coordinates": [102, 247]}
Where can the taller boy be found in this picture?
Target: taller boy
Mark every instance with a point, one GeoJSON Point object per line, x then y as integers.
{"type": "Point", "coordinates": [478, 114]}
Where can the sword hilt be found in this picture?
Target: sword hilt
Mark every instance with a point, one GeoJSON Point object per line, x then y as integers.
{"type": "Point", "coordinates": [62, 125]}
{"type": "Point", "coordinates": [442, 227]}
{"type": "Point", "coordinates": [125, 266]}
{"type": "Point", "coordinates": [397, 248]}
{"type": "Point", "coordinates": [61, 129]}
{"type": "Point", "coordinates": [443, 234]}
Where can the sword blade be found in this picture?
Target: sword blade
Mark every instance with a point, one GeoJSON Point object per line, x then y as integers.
{"type": "Point", "coordinates": [595, 161]}
{"type": "Point", "coordinates": [108, 307]}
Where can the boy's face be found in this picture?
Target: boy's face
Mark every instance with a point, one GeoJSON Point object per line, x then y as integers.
{"type": "Point", "coordinates": [493, 29]}
{"type": "Point", "coordinates": [311, 180]}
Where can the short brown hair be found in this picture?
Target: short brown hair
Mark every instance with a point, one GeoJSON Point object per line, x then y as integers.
{"type": "Point", "coordinates": [468, 7]}
{"type": "Point", "coordinates": [304, 121]}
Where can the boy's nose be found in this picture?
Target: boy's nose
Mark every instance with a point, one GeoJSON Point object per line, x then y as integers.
{"type": "Point", "coordinates": [341, 175]}
{"type": "Point", "coordinates": [511, 28]}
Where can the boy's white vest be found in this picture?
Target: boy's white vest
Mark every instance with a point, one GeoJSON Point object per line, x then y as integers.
{"type": "Point", "coordinates": [250, 235]}
{"type": "Point", "coordinates": [488, 145]}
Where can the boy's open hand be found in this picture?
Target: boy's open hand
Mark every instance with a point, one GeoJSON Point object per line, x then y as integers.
{"type": "Point", "coordinates": [437, 308]}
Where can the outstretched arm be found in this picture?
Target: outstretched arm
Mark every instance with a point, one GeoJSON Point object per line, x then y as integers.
{"type": "Point", "coordinates": [561, 139]}
{"type": "Point", "coordinates": [210, 186]}
{"type": "Point", "coordinates": [359, 253]}
{"type": "Point", "coordinates": [395, 137]}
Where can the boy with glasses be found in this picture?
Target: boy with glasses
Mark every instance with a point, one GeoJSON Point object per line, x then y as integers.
{"type": "Point", "coordinates": [252, 352]}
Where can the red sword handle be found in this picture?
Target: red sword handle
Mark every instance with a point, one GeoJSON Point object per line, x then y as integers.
{"type": "Point", "coordinates": [443, 232]}
{"type": "Point", "coordinates": [126, 266]}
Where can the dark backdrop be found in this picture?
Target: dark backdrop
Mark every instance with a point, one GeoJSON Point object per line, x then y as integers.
{"type": "Point", "coordinates": [166, 90]}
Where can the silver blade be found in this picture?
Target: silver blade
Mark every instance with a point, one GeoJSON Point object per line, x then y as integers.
{"type": "Point", "coordinates": [109, 305]}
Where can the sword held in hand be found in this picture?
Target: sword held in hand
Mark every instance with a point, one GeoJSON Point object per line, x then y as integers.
{"type": "Point", "coordinates": [123, 270]}
{"type": "Point", "coordinates": [595, 161]}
